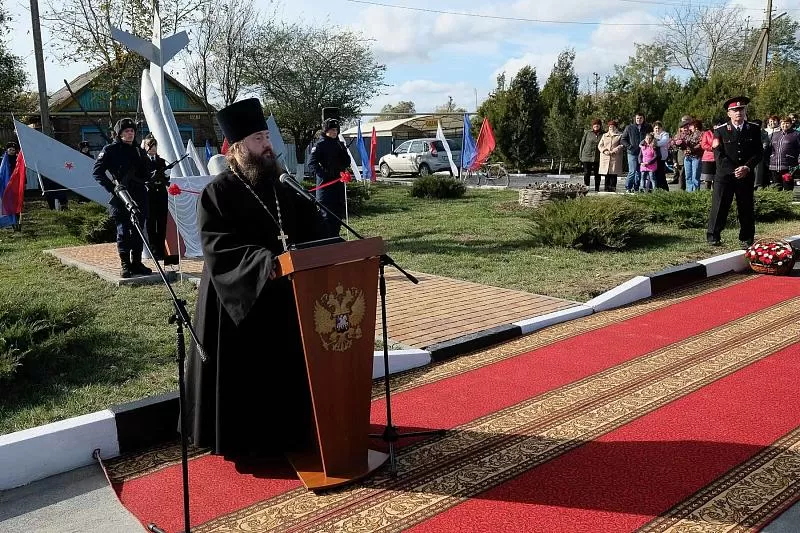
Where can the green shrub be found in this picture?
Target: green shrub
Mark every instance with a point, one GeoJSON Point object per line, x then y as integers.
{"type": "Point", "coordinates": [679, 208]}
{"type": "Point", "coordinates": [589, 223]}
{"type": "Point", "coordinates": [772, 204]}
{"type": "Point", "coordinates": [100, 229]}
{"type": "Point", "coordinates": [690, 209]}
{"type": "Point", "coordinates": [29, 331]}
{"type": "Point", "coordinates": [440, 187]}
{"type": "Point", "coordinates": [88, 221]}
{"type": "Point", "coordinates": [358, 192]}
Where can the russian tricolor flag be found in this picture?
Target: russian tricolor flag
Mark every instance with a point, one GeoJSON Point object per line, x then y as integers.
{"type": "Point", "coordinates": [12, 190]}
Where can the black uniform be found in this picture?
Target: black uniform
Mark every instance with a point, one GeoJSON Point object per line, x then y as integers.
{"type": "Point", "coordinates": [157, 205]}
{"type": "Point", "coordinates": [734, 149]}
{"type": "Point", "coordinates": [126, 164]}
{"type": "Point", "coordinates": [328, 159]}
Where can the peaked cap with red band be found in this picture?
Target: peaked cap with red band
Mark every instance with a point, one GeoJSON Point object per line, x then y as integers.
{"type": "Point", "coordinates": [735, 103]}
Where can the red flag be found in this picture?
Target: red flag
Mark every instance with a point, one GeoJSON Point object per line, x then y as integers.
{"type": "Point", "coordinates": [225, 146]}
{"type": "Point", "coordinates": [15, 191]}
{"type": "Point", "coordinates": [373, 147]}
{"type": "Point", "coordinates": [485, 144]}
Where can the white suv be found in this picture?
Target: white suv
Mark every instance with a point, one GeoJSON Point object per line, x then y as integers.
{"type": "Point", "coordinates": [419, 156]}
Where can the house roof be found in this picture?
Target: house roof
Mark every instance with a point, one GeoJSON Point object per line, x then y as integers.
{"type": "Point", "coordinates": [421, 122]}
{"type": "Point", "coordinates": [62, 97]}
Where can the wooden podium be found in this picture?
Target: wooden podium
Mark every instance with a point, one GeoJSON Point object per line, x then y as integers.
{"type": "Point", "coordinates": [336, 289]}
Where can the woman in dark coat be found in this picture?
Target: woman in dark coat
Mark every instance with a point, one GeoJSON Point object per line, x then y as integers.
{"type": "Point", "coordinates": [590, 155]}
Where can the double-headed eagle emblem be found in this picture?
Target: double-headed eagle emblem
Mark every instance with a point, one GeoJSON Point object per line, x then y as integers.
{"type": "Point", "coordinates": [338, 316]}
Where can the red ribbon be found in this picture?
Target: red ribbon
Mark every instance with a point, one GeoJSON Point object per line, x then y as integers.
{"type": "Point", "coordinates": [175, 190]}
{"type": "Point", "coordinates": [344, 177]}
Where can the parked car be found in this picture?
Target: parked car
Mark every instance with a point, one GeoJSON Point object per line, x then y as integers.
{"type": "Point", "coordinates": [419, 156]}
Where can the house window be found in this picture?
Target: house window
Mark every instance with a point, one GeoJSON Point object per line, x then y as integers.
{"type": "Point", "coordinates": [95, 138]}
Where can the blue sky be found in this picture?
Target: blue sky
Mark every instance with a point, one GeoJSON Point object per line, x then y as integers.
{"type": "Point", "coordinates": [431, 56]}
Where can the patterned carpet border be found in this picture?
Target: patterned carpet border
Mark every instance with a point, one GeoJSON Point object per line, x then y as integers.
{"type": "Point", "coordinates": [745, 499]}
{"type": "Point", "coordinates": [500, 446]}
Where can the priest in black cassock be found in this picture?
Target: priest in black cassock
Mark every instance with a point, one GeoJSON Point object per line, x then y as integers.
{"type": "Point", "coordinates": [251, 396]}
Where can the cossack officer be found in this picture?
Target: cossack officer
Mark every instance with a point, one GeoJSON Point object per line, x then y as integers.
{"type": "Point", "coordinates": [737, 151]}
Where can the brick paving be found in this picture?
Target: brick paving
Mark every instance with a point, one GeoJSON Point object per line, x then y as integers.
{"type": "Point", "coordinates": [438, 309]}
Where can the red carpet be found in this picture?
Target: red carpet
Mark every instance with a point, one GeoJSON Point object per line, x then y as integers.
{"type": "Point", "coordinates": [602, 431]}
{"type": "Point", "coordinates": [620, 481]}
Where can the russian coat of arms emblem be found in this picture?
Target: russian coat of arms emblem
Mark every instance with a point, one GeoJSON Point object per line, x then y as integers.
{"type": "Point", "coordinates": [337, 317]}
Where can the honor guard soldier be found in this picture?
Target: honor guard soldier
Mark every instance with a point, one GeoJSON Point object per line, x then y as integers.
{"type": "Point", "coordinates": [737, 150]}
{"type": "Point", "coordinates": [123, 159]}
{"type": "Point", "coordinates": [329, 159]}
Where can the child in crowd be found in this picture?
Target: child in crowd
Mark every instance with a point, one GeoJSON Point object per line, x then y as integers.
{"type": "Point", "coordinates": [648, 160]}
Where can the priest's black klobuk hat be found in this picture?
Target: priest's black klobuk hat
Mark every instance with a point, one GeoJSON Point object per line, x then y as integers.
{"type": "Point", "coordinates": [241, 119]}
{"type": "Point", "coordinates": [736, 102]}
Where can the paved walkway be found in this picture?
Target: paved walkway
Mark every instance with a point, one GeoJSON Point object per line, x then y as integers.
{"type": "Point", "coordinates": [437, 309]}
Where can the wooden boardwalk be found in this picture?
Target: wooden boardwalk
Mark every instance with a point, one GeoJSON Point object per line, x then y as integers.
{"type": "Point", "coordinates": [438, 309]}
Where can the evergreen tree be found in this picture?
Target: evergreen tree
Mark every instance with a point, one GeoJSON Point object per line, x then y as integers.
{"type": "Point", "coordinates": [525, 118]}
{"type": "Point", "coordinates": [559, 99]}
{"type": "Point", "coordinates": [779, 94]}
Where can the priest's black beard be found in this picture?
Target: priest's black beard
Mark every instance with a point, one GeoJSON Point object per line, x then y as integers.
{"type": "Point", "coordinates": [259, 169]}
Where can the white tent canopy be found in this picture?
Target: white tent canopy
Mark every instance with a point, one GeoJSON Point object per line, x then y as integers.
{"type": "Point", "coordinates": [423, 123]}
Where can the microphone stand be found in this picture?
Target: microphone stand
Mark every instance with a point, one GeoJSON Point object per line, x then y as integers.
{"type": "Point", "coordinates": [181, 320]}
{"type": "Point", "coordinates": [390, 434]}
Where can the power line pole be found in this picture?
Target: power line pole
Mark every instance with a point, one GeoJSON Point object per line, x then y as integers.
{"type": "Point", "coordinates": [37, 49]}
{"type": "Point", "coordinates": [765, 49]}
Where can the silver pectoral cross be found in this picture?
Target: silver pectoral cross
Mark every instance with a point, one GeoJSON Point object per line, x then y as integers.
{"type": "Point", "coordinates": [283, 238]}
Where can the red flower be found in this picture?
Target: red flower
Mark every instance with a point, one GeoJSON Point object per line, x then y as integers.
{"type": "Point", "coordinates": [346, 176]}
{"type": "Point", "coordinates": [767, 260]}
{"type": "Point", "coordinates": [174, 189]}
{"type": "Point", "coordinates": [787, 177]}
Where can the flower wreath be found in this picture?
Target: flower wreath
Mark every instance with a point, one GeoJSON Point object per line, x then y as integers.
{"type": "Point", "coordinates": [771, 257]}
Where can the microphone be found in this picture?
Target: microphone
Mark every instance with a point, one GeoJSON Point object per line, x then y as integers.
{"type": "Point", "coordinates": [124, 196]}
{"type": "Point", "coordinates": [286, 179]}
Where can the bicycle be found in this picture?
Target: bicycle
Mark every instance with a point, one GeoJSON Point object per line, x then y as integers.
{"type": "Point", "coordinates": [492, 174]}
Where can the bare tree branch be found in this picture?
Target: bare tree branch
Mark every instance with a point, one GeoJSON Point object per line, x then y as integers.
{"type": "Point", "coordinates": [697, 35]}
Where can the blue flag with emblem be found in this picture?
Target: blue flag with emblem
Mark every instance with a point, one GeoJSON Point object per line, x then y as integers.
{"type": "Point", "coordinates": [366, 171]}
{"type": "Point", "coordinates": [468, 151]}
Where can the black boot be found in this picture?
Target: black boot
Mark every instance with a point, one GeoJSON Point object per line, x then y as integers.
{"type": "Point", "coordinates": [125, 271]}
{"type": "Point", "coordinates": [136, 265]}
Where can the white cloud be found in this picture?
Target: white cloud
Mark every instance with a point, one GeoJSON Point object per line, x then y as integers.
{"type": "Point", "coordinates": [427, 95]}
{"type": "Point", "coordinates": [607, 45]}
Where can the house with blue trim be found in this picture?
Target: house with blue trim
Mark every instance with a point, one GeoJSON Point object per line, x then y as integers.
{"type": "Point", "coordinates": [80, 117]}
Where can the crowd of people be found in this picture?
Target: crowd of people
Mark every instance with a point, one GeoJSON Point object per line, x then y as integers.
{"type": "Point", "coordinates": [733, 158]}
{"type": "Point", "coordinates": [649, 153]}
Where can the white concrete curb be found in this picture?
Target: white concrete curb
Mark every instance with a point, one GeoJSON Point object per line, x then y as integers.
{"type": "Point", "coordinates": [400, 360]}
{"type": "Point", "coordinates": [631, 291]}
{"type": "Point", "coordinates": [532, 324]}
{"type": "Point", "coordinates": [32, 454]}
{"type": "Point", "coordinates": [44, 451]}
{"type": "Point", "coordinates": [720, 264]}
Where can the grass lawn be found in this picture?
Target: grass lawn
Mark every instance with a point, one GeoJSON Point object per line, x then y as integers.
{"type": "Point", "coordinates": [119, 347]}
